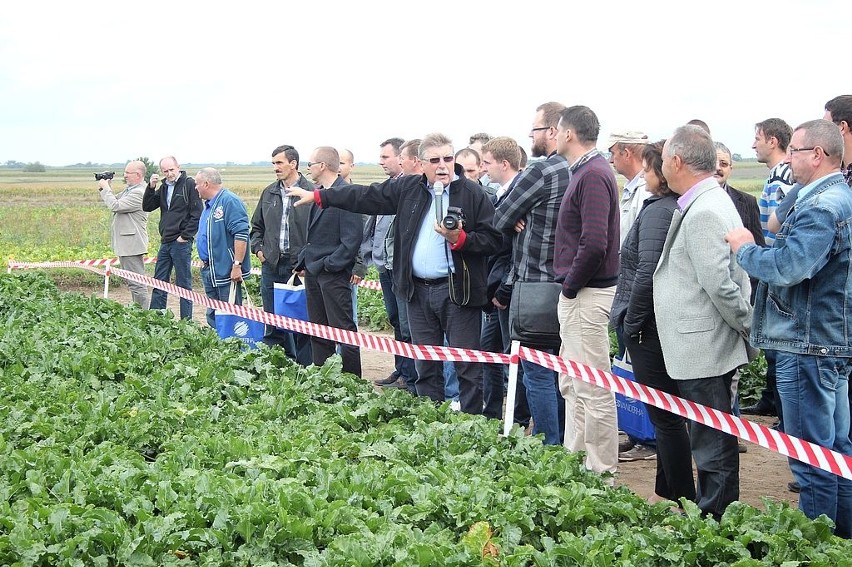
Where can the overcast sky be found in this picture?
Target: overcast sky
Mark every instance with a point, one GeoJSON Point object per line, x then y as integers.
{"type": "Point", "coordinates": [109, 81]}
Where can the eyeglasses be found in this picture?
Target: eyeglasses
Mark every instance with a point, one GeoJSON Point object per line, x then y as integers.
{"type": "Point", "coordinates": [540, 128]}
{"type": "Point", "coordinates": [791, 149]}
{"type": "Point", "coordinates": [437, 160]}
{"type": "Point", "coordinates": [314, 163]}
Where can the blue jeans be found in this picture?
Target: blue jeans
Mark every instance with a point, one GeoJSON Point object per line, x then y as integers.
{"type": "Point", "coordinates": [296, 345]}
{"type": "Point", "coordinates": [546, 404]}
{"type": "Point", "coordinates": [451, 379]}
{"type": "Point", "coordinates": [493, 375]}
{"type": "Point", "coordinates": [404, 366]}
{"type": "Point", "coordinates": [814, 395]}
{"type": "Point", "coordinates": [222, 293]}
{"type": "Point", "coordinates": [177, 255]}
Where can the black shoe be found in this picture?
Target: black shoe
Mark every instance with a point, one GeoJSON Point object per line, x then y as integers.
{"type": "Point", "coordinates": [626, 445]}
{"type": "Point", "coordinates": [794, 487]}
{"type": "Point", "coordinates": [760, 408]}
{"type": "Point", "coordinates": [398, 383]}
{"type": "Point", "coordinates": [394, 376]}
{"type": "Point", "coordinates": [742, 447]}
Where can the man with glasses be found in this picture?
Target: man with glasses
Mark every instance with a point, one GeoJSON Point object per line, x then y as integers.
{"type": "Point", "coordinates": [327, 260]}
{"type": "Point", "coordinates": [278, 234]}
{"type": "Point", "coordinates": [180, 208]}
{"type": "Point", "coordinates": [440, 271]}
{"type": "Point", "coordinates": [129, 229]}
{"type": "Point", "coordinates": [802, 311]}
{"type": "Point", "coordinates": [528, 214]}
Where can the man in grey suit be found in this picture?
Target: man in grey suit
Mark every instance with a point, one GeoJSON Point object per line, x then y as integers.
{"type": "Point", "coordinates": [129, 231]}
{"type": "Point", "coordinates": [701, 301]}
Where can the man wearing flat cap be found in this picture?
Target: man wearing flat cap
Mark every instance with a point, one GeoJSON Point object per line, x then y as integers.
{"type": "Point", "coordinates": [625, 148]}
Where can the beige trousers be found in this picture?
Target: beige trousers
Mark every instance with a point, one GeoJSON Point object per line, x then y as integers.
{"type": "Point", "coordinates": [591, 424]}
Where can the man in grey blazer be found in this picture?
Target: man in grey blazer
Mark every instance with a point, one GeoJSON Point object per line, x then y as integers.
{"type": "Point", "coordinates": [701, 301]}
{"type": "Point", "coordinates": [129, 225]}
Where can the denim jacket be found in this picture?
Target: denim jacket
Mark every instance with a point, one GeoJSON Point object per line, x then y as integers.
{"type": "Point", "coordinates": [804, 299]}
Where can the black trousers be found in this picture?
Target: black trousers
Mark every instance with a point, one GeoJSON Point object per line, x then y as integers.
{"type": "Point", "coordinates": [432, 315]}
{"type": "Point", "coordinates": [674, 457]}
{"type": "Point", "coordinates": [329, 298]}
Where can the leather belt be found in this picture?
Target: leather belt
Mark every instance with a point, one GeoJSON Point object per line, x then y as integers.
{"type": "Point", "coordinates": [429, 281]}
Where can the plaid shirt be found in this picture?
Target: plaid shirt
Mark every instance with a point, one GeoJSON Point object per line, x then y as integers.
{"type": "Point", "coordinates": [535, 197]}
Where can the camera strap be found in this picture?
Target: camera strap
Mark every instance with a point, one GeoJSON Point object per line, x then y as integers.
{"type": "Point", "coordinates": [452, 278]}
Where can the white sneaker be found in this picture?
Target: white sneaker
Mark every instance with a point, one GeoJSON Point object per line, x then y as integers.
{"type": "Point", "coordinates": [455, 405]}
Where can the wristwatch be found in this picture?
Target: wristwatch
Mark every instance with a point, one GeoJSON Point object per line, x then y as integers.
{"type": "Point", "coordinates": [238, 263]}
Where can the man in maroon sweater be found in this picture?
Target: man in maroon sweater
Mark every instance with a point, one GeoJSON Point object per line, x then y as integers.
{"type": "Point", "coordinates": [586, 261]}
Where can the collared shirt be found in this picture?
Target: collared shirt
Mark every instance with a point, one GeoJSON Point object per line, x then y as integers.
{"type": "Point", "coordinates": [687, 197]}
{"type": "Point", "coordinates": [431, 257]}
{"type": "Point", "coordinates": [284, 236]}
{"type": "Point", "coordinates": [170, 189]}
{"type": "Point", "coordinates": [201, 236]}
{"type": "Point", "coordinates": [535, 197]}
{"type": "Point", "coordinates": [584, 158]}
{"type": "Point", "coordinates": [505, 187]}
{"type": "Point", "coordinates": [632, 197]}
{"type": "Point", "coordinates": [812, 185]}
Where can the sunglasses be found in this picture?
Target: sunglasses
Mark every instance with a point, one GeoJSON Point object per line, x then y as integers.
{"type": "Point", "coordinates": [437, 160]}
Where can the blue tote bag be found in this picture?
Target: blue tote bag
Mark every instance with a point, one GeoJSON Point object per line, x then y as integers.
{"type": "Point", "coordinates": [290, 299]}
{"type": "Point", "coordinates": [632, 415]}
{"type": "Point", "coordinates": [228, 325]}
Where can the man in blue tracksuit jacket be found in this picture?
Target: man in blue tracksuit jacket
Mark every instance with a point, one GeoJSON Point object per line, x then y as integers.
{"type": "Point", "coordinates": [222, 240]}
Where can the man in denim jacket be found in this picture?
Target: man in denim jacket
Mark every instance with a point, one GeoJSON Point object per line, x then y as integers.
{"type": "Point", "coordinates": [803, 311]}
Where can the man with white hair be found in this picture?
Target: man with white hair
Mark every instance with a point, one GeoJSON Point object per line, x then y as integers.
{"type": "Point", "coordinates": [129, 230]}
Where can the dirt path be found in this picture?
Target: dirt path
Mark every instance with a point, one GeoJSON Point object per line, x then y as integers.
{"type": "Point", "coordinates": [762, 472]}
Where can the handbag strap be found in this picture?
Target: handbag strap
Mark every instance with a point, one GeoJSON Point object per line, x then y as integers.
{"type": "Point", "coordinates": [232, 295]}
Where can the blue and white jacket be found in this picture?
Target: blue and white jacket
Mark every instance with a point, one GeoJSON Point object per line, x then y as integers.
{"type": "Point", "coordinates": [223, 220]}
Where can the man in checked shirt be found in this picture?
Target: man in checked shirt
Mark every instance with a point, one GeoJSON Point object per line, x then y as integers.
{"type": "Point", "coordinates": [530, 211]}
{"type": "Point", "coordinates": [278, 233]}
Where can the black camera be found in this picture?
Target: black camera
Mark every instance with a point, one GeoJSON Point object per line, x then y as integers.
{"type": "Point", "coordinates": [455, 218]}
{"type": "Point", "coordinates": [104, 175]}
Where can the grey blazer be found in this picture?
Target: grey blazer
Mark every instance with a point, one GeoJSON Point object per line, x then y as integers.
{"type": "Point", "coordinates": [701, 294]}
{"type": "Point", "coordinates": [129, 222]}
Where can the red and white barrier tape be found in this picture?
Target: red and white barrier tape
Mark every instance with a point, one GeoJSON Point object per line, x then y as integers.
{"type": "Point", "coordinates": [368, 284]}
{"type": "Point", "coordinates": [776, 441]}
{"type": "Point", "coordinates": [766, 437]}
{"type": "Point", "coordinates": [372, 342]}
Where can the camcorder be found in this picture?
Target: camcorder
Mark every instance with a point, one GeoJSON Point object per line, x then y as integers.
{"type": "Point", "coordinates": [455, 218]}
{"type": "Point", "coordinates": [104, 175]}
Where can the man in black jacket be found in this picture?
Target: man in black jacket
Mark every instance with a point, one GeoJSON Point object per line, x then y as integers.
{"type": "Point", "coordinates": [327, 259]}
{"type": "Point", "coordinates": [278, 231]}
{"type": "Point", "coordinates": [180, 208]}
{"type": "Point", "coordinates": [441, 272]}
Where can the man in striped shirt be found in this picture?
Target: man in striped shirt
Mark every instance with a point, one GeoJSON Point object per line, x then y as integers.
{"type": "Point", "coordinates": [771, 138]}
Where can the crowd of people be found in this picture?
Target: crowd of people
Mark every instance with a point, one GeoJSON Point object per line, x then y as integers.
{"type": "Point", "coordinates": [692, 275]}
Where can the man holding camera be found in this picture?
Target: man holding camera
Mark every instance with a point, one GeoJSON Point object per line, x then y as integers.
{"type": "Point", "coordinates": [129, 229]}
{"type": "Point", "coordinates": [180, 208]}
{"type": "Point", "coordinates": [439, 267]}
